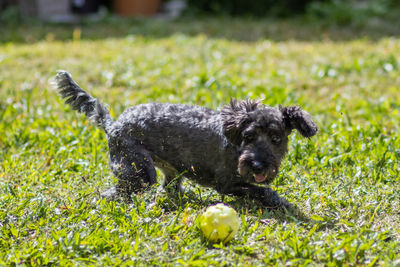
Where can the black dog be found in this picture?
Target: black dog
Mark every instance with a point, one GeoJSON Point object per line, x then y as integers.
{"type": "Point", "coordinates": [237, 150]}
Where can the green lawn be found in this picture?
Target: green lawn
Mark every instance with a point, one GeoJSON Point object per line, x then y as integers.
{"type": "Point", "coordinates": [344, 181]}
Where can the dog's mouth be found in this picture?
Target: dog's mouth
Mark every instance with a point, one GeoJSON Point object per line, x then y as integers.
{"type": "Point", "coordinates": [265, 177]}
{"type": "Point", "coordinates": [259, 178]}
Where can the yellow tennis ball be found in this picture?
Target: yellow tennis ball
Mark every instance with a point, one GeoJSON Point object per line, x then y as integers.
{"type": "Point", "coordinates": [219, 223]}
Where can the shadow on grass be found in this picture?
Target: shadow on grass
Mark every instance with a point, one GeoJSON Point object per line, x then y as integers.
{"type": "Point", "coordinates": [235, 29]}
{"type": "Point", "coordinates": [201, 198]}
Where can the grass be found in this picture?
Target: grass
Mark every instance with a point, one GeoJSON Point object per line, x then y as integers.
{"type": "Point", "coordinates": [54, 162]}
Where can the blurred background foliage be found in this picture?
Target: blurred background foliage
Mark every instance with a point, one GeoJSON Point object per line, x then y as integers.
{"type": "Point", "coordinates": [248, 8]}
{"type": "Point", "coordinates": [339, 12]}
{"type": "Point", "coordinates": [344, 12]}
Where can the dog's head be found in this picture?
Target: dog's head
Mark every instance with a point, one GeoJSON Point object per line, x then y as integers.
{"type": "Point", "coordinates": [261, 134]}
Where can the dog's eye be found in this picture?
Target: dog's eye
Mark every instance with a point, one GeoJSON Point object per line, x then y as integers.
{"type": "Point", "coordinates": [248, 136]}
{"type": "Point", "coordinates": [275, 139]}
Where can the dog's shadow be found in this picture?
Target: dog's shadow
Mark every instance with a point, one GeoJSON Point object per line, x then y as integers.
{"type": "Point", "coordinates": [171, 200]}
{"type": "Point", "coordinates": [256, 209]}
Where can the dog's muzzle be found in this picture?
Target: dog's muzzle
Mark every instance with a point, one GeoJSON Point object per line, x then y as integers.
{"type": "Point", "coordinates": [256, 170]}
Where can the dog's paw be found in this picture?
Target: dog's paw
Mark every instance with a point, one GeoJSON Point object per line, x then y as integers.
{"type": "Point", "coordinates": [277, 203]}
{"type": "Point", "coordinates": [284, 204]}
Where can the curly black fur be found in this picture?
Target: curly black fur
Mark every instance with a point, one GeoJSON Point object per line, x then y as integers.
{"type": "Point", "coordinates": [237, 150]}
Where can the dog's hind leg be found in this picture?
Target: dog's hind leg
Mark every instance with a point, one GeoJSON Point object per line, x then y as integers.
{"type": "Point", "coordinates": [134, 169]}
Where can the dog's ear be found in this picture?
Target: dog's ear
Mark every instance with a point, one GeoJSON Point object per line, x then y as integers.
{"type": "Point", "coordinates": [235, 117]}
{"type": "Point", "coordinates": [296, 118]}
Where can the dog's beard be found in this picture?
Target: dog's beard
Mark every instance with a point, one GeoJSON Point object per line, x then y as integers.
{"type": "Point", "coordinates": [264, 174]}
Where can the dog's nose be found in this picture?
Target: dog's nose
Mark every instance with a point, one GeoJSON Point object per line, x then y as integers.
{"type": "Point", "coordinates": [257, 166]}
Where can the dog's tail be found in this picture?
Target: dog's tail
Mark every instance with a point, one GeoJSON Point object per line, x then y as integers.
{"type": "Point", "coordinates": [81, 101]}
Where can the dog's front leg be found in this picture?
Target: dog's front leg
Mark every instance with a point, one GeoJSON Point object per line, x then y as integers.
{"type": "Point", "coordinates": [268, 197]}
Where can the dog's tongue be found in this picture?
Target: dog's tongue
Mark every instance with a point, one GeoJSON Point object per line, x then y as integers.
{"type": "Point", "coordinates": [260, 178]}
